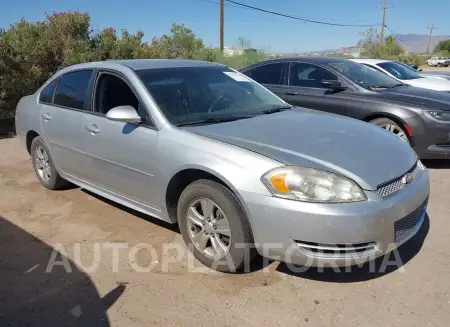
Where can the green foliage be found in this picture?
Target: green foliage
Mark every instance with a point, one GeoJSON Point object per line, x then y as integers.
{"type": "Point", "coordinates": [31, 52]}
{"type": "Point", "coordinates": [391, 50]}
{"type": "Point", "coordinates": [372, 48]}
{"type": "Point", "coordinates": [444, 53]}
{"type": "Point", "coordinates": [442, 46]}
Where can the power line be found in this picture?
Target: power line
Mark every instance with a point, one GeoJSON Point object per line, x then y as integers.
{"type": "Point", "coordinates": [395, 35]}
{"type": "Point", "coordinates": [218, 3]}
{"type": "Point", "coordinates": [298, 18]}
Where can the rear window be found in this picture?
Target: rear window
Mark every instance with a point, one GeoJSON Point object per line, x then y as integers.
{"type": "Point", "coordinates": [72, 90]}
{"type": "Point", "coordinates": [46, 95]}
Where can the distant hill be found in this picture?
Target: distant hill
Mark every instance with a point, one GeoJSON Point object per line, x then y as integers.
{"type": "Point", "coordinates": [418, 43]}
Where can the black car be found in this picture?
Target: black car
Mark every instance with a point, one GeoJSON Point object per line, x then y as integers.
{"type": "Point", "coordinates": [418, 116]}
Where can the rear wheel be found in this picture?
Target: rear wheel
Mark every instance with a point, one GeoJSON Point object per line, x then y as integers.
{"type": "Point", "coordinates": [391, 126]}
{"type": "Point", "coordinates": [44, 167]}
{"type": "Point", "coordinates": [214, 226]}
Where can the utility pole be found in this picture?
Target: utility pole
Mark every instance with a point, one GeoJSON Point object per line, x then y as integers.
{"type": "Point", "coordinates": [221, 25]}
{"type": "Point", "coordinates": [429, 37]}
{"type": "Point", "coordinates": [383, 23]}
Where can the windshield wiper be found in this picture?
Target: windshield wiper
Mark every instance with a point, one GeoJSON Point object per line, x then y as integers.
{"type": "Point", "coordinates": [276, 109]}
{"type": "Point", "coordinates": [385, 86]}
{"type": "Point", "coordinates": [214, 120]}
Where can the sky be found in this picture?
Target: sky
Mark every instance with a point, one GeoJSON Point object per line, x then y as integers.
{"type": "Point", "coordinates": [155, 17]}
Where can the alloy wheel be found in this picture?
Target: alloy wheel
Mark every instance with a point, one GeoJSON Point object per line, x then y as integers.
{"type": "Point", "coordinates": [208, 228]}
{"type": "Point", "coordinates": [396, 130]}
{"type": "Point", "coordinates": [43, 166]}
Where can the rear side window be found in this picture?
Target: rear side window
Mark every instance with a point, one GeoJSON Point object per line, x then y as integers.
{"type": "Point", "coordinates": [46, 95]}
{"type": "Point", "coordinates": [72, 90]}
{"type": "Point", "coordinates": [267, 74]}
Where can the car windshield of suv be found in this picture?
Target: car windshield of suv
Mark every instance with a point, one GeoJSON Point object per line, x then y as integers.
{"type": "Point", "coordinates": [399, 71]}
{"type": "Point", "coordinates": [364, 76]}
{"type": "Point", "coordinates": [187, 95]}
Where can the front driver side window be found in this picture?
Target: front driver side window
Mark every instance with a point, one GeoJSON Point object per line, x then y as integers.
{"type": "Point", "coordinates": [308, 75]}
{"type": "Point", "coordinates": [112, 91]}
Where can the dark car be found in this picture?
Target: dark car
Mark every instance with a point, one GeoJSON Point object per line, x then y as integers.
{"type": "Point", "coordinates": [420, 117]}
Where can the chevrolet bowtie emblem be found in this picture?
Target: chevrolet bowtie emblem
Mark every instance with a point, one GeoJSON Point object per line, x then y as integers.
{"type": "Point", "coordinates": [407, 179]}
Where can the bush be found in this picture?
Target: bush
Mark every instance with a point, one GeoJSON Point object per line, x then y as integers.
{"type": "Point", "coordinates": [31, 52]}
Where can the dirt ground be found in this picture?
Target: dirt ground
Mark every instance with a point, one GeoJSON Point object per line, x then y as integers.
{"type": "Point", "coordinates": [81, 226]}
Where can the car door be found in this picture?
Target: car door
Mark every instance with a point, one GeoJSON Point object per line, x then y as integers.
{"type": "Point", "coordinates": [62, 106]}
{"type": "Point", "coordinates": [120, 157]}
{"type": "Point", "coordinates": [306, 89]}
{"type": "Point", "coordinates": [271, 75]}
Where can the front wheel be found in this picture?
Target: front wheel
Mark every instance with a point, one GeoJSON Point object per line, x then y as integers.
{"type": "Point", "coordinates": [392, 127]}
{"type": "Point", "coordinates": [214, 226]}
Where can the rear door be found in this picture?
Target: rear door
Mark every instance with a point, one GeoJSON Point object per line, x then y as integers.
{"type": "Point", "coordinates": [63, 104]}
{"type": "Point", "coordinates": [272, 76]}
{"type": "Point", "coordinates": [306, 90]}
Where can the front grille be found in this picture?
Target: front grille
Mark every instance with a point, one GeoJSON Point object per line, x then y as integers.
{"type": "Point", "coordinates": [407, 223]}
{"type": "Point", "coordinates": [397, 184]}
{"type": "Point", "coordinates": [347, 250]}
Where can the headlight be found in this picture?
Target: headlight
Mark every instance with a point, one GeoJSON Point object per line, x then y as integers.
{"type": "Point", "coordinates": [442, 116]}
{"type": "Point", "coordinates": [312, 185]}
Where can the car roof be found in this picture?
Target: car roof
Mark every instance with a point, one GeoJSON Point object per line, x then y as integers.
{"type": "Point", "coordinates": [312, 59]}
{"type": "Point", "coordinates": [370, 61]}
{"type": "Point", "coordinates": [142, 64]}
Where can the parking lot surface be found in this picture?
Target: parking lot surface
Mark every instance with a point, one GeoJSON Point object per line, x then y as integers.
{"type": "Point", "coordinates": [46, 236]}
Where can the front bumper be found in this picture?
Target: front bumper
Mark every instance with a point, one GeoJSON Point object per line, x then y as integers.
{"type": "Point", "coordinates": [324, 235]}
{"type": "Point", "coordinates": [431, 139]}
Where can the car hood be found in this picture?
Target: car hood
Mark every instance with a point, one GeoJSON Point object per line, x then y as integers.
{"type": "Point", "coordinates": [426, 99]}
{"type": "Point", "coordinates": [361, 151]}
{"type": "Point", "coordinates": [447, 77]}
{"type": "Point", "coordinates": [438, 84]}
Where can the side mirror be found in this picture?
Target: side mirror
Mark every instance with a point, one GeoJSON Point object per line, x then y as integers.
{"type": "Point", "coordinates": [126, 114]}
{"type": "Point", "coordinates": [335, 85]}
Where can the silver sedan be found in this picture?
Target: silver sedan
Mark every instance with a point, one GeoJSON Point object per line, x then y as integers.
{"type": "Point", "coordinates": [204, 146]}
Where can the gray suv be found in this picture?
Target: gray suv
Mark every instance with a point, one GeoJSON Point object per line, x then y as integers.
{"type": "Point", "coordinates": [204, 146]}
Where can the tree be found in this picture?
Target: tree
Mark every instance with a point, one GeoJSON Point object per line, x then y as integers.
{"type": "Point", "coordinates": [31, 52]}
{"type": "Point", "coordinates": [442, 46]}
{"type": "Point", "coordinates": [181, 43]}
{"type": "Point", "coordinates": [371, 47]}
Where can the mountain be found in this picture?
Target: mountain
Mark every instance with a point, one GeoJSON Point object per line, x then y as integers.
{"type": "Point", "coordinates": [418, 43]}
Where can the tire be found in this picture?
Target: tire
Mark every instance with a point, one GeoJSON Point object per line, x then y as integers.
{"type": "Point", "coordinates": [47, 176]}
{"type": "Point", "coordinates": [392, 127]}
{"type": "Point", "coordinates": [197, 194]}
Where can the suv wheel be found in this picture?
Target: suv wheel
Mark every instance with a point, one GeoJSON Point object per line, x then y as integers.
{"type": "Point", "coordinates": [214, 226]}
{"type": "Point", "coordinates": [44, 167]}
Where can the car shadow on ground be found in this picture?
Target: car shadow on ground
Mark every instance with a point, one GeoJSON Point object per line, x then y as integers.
{"type": "Point", "coordinates": [258, 263]}
{"type": "Point", "coordinates": [437, 164]}
{"type": "Point", "coordinates": [150, 219]}
{"type": "Point", "coordinates": [36, 293]}
{"type": "Point", "coordinates": [370, 270]}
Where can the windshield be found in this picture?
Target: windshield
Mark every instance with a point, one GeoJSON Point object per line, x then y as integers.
{"type": "Point", "coordinates": [364, 76]}
{"type": "Point", "coordinates": [191, 94]}
{"type": "Point", "coordinates": [399, 71]}
{"type": "Point", "coordinates": [407, 66]}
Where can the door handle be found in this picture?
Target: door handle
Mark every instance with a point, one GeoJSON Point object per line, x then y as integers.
{"type": "Point", "coordinates": [46, 116]}
{"type": "Point", "coordinates": [291, 93]}
{"type": "Point", "coordinates": [92, 128]}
